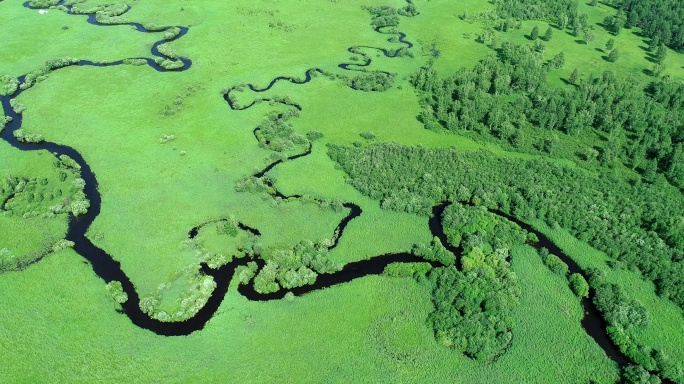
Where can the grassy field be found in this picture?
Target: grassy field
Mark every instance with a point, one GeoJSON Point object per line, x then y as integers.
{"type": "Point", "coordinates": [59, 322]}
{"type": "Point", "coordinates": [665, 318]}
{"type": "Point", "coordinates": [305, 340]}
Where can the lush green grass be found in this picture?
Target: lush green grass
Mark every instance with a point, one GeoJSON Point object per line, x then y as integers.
{"type": "Point", "coordinates": [449, 31]}
{"type": "Point", "coordinates": [153, 194]}
{"type": "Point", "coordinates": [308, 339]}
{"type": "Point", "coordinates": [666, 319]}
{"type": "Point", "coordinates": [29, 238]}
{"type": "Point", "coordinates": [31, 38]}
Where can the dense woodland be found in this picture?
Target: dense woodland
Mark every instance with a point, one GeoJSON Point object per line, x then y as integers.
{"type": "Point", "coordinates": [616, 119]}
{"type": "Point", "coordinates": [660, 20]}
{"type": "Point", "coordinates": [638, 224]}
{"type": "Point", "coordinates": [473, 303]}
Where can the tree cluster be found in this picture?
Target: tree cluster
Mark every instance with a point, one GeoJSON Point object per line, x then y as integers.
{"type": "Point", "coordinates": [371, 81]}
{"type": "Point", "coordinates": [634, 222]}
{"type": "Point", "coordinates": [276, 134]}
{"type": "Point", "coordinates": [642, 129]}
{"type": "Point", "coordinates": [661, 20]}
{"type": "Point", "coordinates": [625, 315]}
{"type": "Point", "coordinates": [537, 10]}
{"type": "Point", "coordinates": [292, 267]}
{"type": "Point", "coordinates": [473, 305]}
{"type": "Point", "coordinates": [474, 227]}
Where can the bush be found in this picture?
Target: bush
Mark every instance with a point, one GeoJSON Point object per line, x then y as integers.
{"type": "Point", "coordinates": [116, 290]}
{"type": "Point", "coordinates": [556, 265]}
{"type": "Point", "coordinates": [407, 269]}
{"type": "Point", "coordinates": [579, 285]}
{"type": "Point", "coordinates": [435, 251]}
{"type": "Point", "coordinates": [245, 273]}
{"type": "Point", "coordinates": [25, 137]}
{"type": "Point", "coordinates": [367, 135]}
{"type": "Point", "coordinates": [371, 81]}
{"type": "Point", "coordinates": [62, 244]}
{"type": "Point", "coordinates": [4, 120]}
{"type": "Point", "coordinates": [314, 135]}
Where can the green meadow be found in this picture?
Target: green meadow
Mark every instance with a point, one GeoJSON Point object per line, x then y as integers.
{"type": "Point", "coordinates": [186, 178]}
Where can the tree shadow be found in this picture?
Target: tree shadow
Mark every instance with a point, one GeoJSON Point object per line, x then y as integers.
{"type": "Point", "coordinates": [580, 41]}
{"type": "Point", "coordinates": [567, 82]}
{"type": "Point", "coordinates": [600, 50]}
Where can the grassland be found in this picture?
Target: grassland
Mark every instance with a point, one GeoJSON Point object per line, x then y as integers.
{"type": "Point", "coordinates": [305, 340]}
{"type": "Point", "coordinates": [155, 190]}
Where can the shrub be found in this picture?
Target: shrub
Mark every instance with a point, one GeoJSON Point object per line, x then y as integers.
{"type": "Point", "coordinates": [25, 137]}
{"type": "Point", "coordinates": [62, 244]}
{"type": "Point", "coordinates": [579, 285]}
{"type": "Point", "coordinates": [407, 269]}
{"type": "Point", "coordinates": [371, 81]}
{"type": "Point", "coordinates": [314, 135]}
{"type": "Point", "coordinates": [556, 265]}
{"type": "Point", "coordinates": [367, 135]}
{"type": "Point", "coordinates": [116, 290]}
{"type": "Point", "coordinates": [434, 252]}
{"type": "Point", "coordinates": [4, 120]}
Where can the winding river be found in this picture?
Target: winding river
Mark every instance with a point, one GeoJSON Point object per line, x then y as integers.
{"type": "Point", "coordinates": [108, 269]}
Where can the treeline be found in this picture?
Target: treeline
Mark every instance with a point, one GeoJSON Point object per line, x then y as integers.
{"type": "Point", "coordinates": [661, 20]}
{"type": "Point", "coordinates": [642, 129]}
{"type": "Point", "coordinates": [638, 224]}
{"type": "Point", "coordinates": [624, 316]}
{"type": "Point", "coordinates": [532, 9]}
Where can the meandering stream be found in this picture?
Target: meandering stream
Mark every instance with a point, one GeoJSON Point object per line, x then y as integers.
{"type": "Point", "coordinates": [108, 269]}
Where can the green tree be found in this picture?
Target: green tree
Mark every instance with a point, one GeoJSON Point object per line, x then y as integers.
{"type": "Point", "coordinates": [613, 55]}
{"type": "Point", "coordinates": [614, 24]}
{"type": "Point", "coordinates": [593, 3]}
{"type": "Point", "coordinates": [610, 44]}
{"type": "Point", "coordinates": [535, 33]}
{"type": "Point", "coordinates": [635, 374]}
{"type": "Point", "coordinates": [558, 61]}
{"type": "Point", "coordinates": [589, 37]}
{"type": "Point", "coordinates": [675, 171]}
{"type": "Point", "coordinates": [661, 53]}
{"type": "Point", "coordinates": [657, 70]}
{"type": "Point", "coordinates": [556, 265]}
{"type": "Point", "coordinates": [574, 76]}
{"type": "Point", "coordinates": [578, 285]}
{"type": "Point", "coordinates": [548, 34]}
